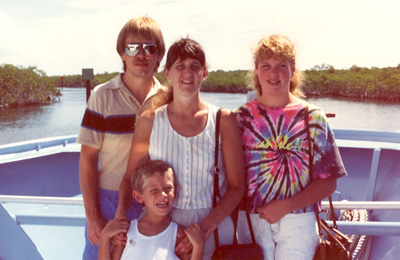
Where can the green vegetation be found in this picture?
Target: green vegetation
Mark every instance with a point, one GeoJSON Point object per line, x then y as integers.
{"type": "Point", "coordinates": [231, 81]}
{"type": "Point", "coordinates": [322, 80]}
{"type": "Point", "coordinates": [356, 82]}
{"type": "Point", "coordinates": [76, 81]}
{"type": "Point", "coordinates": [25, 86]}
{"type": "Point", "coordinates": [222, 81]}
{"type": "Point", "coordinates": [217, 81]}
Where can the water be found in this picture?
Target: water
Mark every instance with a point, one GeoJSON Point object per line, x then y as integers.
{"type": "Point", "coordinates": [64, 117]}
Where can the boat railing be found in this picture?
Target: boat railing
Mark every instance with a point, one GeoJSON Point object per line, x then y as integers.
{"type": "Point", "coordinates": [374, 228]}
{"type": "Point", "coordinates": [37, 144]}
{"type": "Point", "coordinates": [41, 200]}
{"type": "Point", "coordinates": [369, 205]}
{"type": "Point", "coordinates": [73, 219]}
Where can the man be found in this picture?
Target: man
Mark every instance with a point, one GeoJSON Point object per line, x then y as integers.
{"type": "Point", "coordinates": [109, 122]}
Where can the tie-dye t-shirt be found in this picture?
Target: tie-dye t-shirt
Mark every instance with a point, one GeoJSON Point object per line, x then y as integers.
{"type": "Point", "coordinates": [276, 147]}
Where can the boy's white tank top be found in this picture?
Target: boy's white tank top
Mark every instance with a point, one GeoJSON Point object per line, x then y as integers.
{"type": "Point", "coordinates": [161, 246]}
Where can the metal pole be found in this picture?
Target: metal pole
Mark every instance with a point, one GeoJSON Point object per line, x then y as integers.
{"type": "Point", "coordinates": [87, 90]}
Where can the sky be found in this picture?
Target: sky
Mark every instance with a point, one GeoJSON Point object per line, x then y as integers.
{"type": "Point", "coordinates": [61, 37]}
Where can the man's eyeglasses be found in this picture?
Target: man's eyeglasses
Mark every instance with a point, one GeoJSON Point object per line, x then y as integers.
{"type": "Point", "coordinates": [133, 49]}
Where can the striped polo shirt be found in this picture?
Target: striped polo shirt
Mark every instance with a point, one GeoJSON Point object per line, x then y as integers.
{"type": "Point", "coordinates": [108, 125]}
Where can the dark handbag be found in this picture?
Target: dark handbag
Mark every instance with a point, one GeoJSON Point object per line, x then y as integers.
{"type": "Point", "coordinates": [333, 244]}
{"type": "Point", "coordinates": [235, 250]}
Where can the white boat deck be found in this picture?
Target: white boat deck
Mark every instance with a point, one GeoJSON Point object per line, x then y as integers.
{"type": "Point", "coordinates": [48, 226]}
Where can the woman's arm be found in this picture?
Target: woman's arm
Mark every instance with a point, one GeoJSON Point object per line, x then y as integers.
{"type": "Point", "coordinates": [234, 165]}
{"type": "Point", "coordinates": [315, 192]}
{"type": "Point", "coordinates": [139, 153]}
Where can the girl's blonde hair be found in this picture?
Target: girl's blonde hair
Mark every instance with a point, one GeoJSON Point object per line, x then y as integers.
{"type": "Point", "coordinates": [278, 47]}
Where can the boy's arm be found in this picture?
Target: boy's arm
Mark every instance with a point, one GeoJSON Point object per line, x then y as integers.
{"type": "Point", "coordinates": [180, 236]}
{"type": "Point", "coordinates": [198, 238]}
{"type": "Point", "coordinates": [113, 227]}
{"type": "Point", "coordinates": [116, 252]}
{"type": "Point", "coordinates": [108, 252]}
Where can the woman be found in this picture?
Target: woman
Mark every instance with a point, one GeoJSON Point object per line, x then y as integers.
{"type": "Point", "coordinates": [181, 131]}
{"type": "Point", "coordinates": [280, 191]}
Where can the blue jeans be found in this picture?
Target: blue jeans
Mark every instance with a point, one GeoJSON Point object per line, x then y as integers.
{"type": "Point", "coordinates": [108, 206]}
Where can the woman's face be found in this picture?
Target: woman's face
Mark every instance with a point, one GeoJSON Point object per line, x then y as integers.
{"type": "Point", "coordinates": [186, 76]}
{"type": "Point", "coordinates": [274, 76]}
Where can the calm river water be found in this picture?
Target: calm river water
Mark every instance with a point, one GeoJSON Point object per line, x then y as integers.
{"type": "Point", "coordinates": [64, 117]}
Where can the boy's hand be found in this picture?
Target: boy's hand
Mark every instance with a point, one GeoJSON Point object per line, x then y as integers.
{"type": "Point", "coordinates": [114, 228]}
{"type": "Point", "coordinates": [183, 244]}
{"type": "Point", "coordinates": [196, 236]}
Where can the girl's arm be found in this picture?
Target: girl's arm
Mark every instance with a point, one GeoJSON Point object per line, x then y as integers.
{"type": "Point", "coordinates": [313, 193]}
{"type": "Point", "coordinates": [234, 165]}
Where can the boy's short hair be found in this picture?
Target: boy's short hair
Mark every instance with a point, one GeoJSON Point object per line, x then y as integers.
{"type": "Point", "coordinates": [145, 27]}
{"type": "Point", "coordinates": [148, 169]}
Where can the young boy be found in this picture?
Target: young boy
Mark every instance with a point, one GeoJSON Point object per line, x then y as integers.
{"type": "Point", "coordinates": [154, 236]}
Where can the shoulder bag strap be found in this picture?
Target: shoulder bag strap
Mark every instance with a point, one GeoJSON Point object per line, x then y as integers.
{"type": "Point", "coordinates": [216, 171]}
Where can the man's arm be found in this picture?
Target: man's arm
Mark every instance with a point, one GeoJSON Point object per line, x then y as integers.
{"type": "Point", "coordinates": [89, 183]}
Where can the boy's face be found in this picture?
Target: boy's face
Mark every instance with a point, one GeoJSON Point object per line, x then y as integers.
{"type": "Point", "coordinates": [141, 64]}
{"type": "Point", "coordinates": [158, 194]}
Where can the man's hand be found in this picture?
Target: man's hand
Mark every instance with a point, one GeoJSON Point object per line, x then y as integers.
{"type": "Point", "coordinates": [94, 228]}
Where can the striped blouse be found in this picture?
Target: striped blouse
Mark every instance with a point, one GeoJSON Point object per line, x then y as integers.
{"type": "Point", "coordinates": [192, 159]}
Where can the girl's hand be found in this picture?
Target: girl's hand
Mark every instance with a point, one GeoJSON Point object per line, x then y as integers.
{"type": "Point", "coordinates": [273, 211]}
